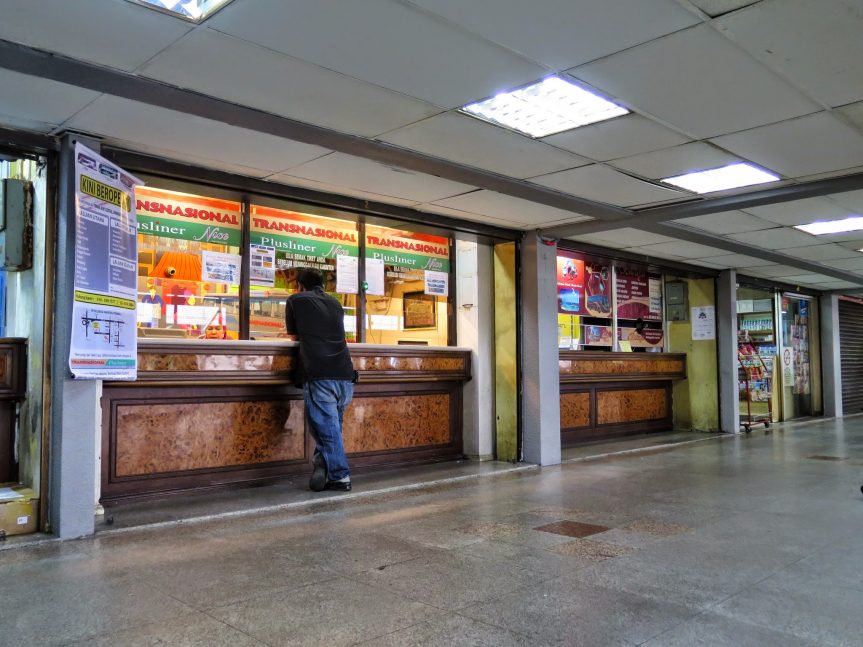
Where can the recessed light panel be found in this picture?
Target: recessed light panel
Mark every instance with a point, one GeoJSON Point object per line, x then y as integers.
{"type": "Point", "coordinates": [194, 10]}
{"type": "Point", "coordinates": [732, 176]}
{"type": "Point", "coordinates": [545, 108]}
{"type": "Point", "coordinates": [824, 227]}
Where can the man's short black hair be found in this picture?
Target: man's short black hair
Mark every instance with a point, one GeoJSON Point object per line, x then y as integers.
{"type": "Point", "coordinates": [310, 278]}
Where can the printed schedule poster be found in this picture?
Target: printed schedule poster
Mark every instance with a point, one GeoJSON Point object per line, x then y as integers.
{"type": "Point", "coordinates": [104, 310]}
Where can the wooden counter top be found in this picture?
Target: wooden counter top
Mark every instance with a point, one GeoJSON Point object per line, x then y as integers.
{"type": "Point", "coordinates": [258, 362]}
{"type": "Point", "coordinates": [597, 366]}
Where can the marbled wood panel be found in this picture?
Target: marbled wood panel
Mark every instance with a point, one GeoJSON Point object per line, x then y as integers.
{"type": "Point", "coordinates": [574, 410]}
{"type": "Point", "coordinates": [212, 362]}
{"type": "Point", "coordinates": [630, 406]}
{"type": "Point", "coordinates": [620, 366]}
{"type": "Point", "coordinates": [417, 363]}
{"type": "Point", "coordinates": [397, 422]}
{"type": "Point", "coordinates": [168, 437]}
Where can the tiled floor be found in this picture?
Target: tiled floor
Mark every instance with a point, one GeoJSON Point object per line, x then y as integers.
{"type": "Point", "coordinates": [749, 540]}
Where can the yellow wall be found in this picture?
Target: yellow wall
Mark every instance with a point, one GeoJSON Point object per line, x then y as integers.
{"type": "Point", "coordinates": [696, 399]}
{"type": "Point", "coordinates": [506, 366]}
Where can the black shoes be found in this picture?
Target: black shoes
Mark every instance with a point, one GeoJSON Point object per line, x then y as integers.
{"type": "Point", "coordinates": [318, 482]}
{"type": "Point", "coordinates": [338, 486]}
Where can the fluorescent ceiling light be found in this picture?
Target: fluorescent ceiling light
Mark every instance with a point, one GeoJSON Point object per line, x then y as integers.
{"type": "Point", "coordinates": [719, 179]}
{"type": "Point", "coordinates": [550, 106]}
{"type": "Point", "coordinates": [824, 227]}
{"type": "Point", "coordinates": [194, 10]}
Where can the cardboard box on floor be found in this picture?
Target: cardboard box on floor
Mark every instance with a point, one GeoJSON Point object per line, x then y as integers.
{"type": "Point", "coordinates": [19, 508]}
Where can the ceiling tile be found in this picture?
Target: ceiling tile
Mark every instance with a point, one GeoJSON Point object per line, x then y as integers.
{"type": "Point", "coordinates": [737, 260]}
{"type": "Point", "coordinates": [839, 285]}
{"type": "Point", "coordinates": [812, 144]}
{"type": "Point", "coordinates": [473, 142]}
{"type": "Point", "coordinates": [466, 215]}
{"type": "Point", "coordinates": [727, 222]}
{"type": "Point", "coordinates": [518, 211]}
{"type": "Point", "coordinates": [352, 172]}
{"type": "Point", "coordinates": [805, 278]}
{"type": "Point", "coordinates": [641, 251]}
{"type": "Point", "coordinates": [851, 239]}
{"type": "Point", "coordinates": [38, 103]}
{"type": "Point", "coordinates": [680, 249]}
{"type": "Point", "coordinates": [120, 34]}
{"type": "Point", "coordinates": [770, 271]}
{"type": "Point", "coordinates": [622, 238]}
{"type": "Point", "coordinates": [188, 135]}
{"type": "Point", "coordinates": [226, 165]}
{"type": "Point", "coordinates": [777, 238]}
{"type": "Point", "coordinates": [392, 45]}
{"type": "Point", "coordinates": [619, 137]}
{"type": "Point", "coordinates": [826, 252]}
{"type": "Point", "coordinates": [603, 184]}
{"type": "Point", "coordinates": [719, 7]}
{"type": "Point", "coordinates": [229, 68]}
{"type": "Point", "coordinates": [341, 189]}
{"type": "Point", "coordinates": [564, 34]}
{"type": "Point", "coordinates": [702, 263]}
{"type": "Point", "coordinates": [815, 44]}
{"type": "Point", "coordinates": [697, 81]}
{"type": "Point", "coordinates": [851, 200]}
{"type": "Point", "coordinates": [848, 264]}
{"type": "Point", "coordinates": [687, 158]}
{"type": "Point", "coordinates": [798, 212]}
{"type": "Point", "coordinates": [853, 113]}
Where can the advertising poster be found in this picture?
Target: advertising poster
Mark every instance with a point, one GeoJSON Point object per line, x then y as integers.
{"type": "Point", "coordinates": [188, 217]}
{"type": "Point", "coordinates": [598, 336]}
{"type": "Point", "coordinates": [634, 297]}
{"type": "Point", "coordinates": [218, 267]}
{"type": "Point", "coordinates": [104, 309]}
{"type": "Point", "coordinates": [647, 338]}
{"type": "Point", "coordinates": [347, 274]}
{"type": "Point", "coordinates": [418, 252]}
{"type": "Point", "coordinates": [570, 286]}
{"type": "Point", "coordinates": [262, 265]}
{"type": "Point", "coordinates": [597, 290]}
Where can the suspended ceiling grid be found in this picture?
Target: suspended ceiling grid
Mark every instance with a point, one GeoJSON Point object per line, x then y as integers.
{"type": "Point", "coordinates": [711, 82]}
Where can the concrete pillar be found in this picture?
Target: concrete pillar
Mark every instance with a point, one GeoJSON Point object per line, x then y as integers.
{"type": "Point", "coordinates": [831, 366]}
{"type": "Point", "coordinates": [475, 323]}
{"type": "Point", "coordinates": [726, 345]}
{"type": "Point", "coordinates": [540, 372]}
{"type": "Point", "coordinates": [75, 404]}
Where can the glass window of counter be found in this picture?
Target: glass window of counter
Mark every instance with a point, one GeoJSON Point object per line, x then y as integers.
{"type": "Point", "coordinates": [584, 317]}
{"type": "Point", "coordinates": [639, 310]}
{"type": "Point", "coordinates": [188, 265]}
{"type": "Point", "coordinates": [284, 241]}
{"type": "Point", "coordinates": [407, 300]}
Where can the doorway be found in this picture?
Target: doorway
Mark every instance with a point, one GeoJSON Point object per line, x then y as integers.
{"type": "Point", "coordinates": [796, 321]}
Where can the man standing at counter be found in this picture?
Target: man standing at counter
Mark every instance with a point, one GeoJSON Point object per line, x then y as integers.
{"type": "Point", "coordinates": [317, 320]}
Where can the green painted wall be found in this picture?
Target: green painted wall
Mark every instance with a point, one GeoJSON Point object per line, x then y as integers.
{"type": "Point", "coordinates": [696, 399]}
{"type": "Point", "coordinates": [506, 359]}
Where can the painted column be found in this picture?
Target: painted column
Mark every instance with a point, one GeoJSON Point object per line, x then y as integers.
{"type": "Point", "coordinates": [75, 404]}
{"type": "Point", "coordinates": [540, 368]}
{"type": "Point", "coordinates": [475, 322]}
{"type": "Point", "coordinates": [726, 344]}
{"type": "Point", "coordinates": [831, 365]}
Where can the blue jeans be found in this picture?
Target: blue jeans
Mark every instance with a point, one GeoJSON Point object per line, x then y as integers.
{"type": "Point", "coordinates": [326, 401]}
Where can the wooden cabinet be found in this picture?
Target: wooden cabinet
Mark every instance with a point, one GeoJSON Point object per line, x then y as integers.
{"type": "Point", "coordinates": [13, 384]}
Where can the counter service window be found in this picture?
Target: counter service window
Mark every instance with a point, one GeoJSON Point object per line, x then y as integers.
{"type": "Point", "coordinates": [281, 243]}
{"type": "Point", "coordinates": [188, 265]}
{"type": "Point", "coordinates": [584, 317]}
{"type": "Point", "coordinates": [408, 287]}
{"type": "Point", "coordinates": [639, 309]}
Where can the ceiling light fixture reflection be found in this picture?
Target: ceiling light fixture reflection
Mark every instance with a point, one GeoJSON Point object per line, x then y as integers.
{"type": "Point", "coordinates": [545, 108]}
{"type": "Point", "coordinates": [732, 176]}
{"type": "Point", "coordinates": [825, 227]}
{"type": "Point", "coordinates": [194, 10]}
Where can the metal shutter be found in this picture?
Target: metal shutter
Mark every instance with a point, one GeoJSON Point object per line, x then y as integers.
{"type": "Point", "coordinates": [851, 354]}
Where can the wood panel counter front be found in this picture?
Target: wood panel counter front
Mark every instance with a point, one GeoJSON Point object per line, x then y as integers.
{"type": "Point", "coordinates": [603, 395]}
{"type": "Point", "coordinates": [216, 413]}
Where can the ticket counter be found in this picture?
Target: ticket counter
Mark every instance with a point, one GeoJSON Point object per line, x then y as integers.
{"type": "Point", "coordinates": [216, 413]}
{"type": "Point", "coordinates": [604, 395]}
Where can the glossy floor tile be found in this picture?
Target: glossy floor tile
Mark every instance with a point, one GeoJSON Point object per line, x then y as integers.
{"type": "Point", "coordinates": [746, 540]}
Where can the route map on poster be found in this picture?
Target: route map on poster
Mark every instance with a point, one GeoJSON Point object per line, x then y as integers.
{"type": "Point", "coordinates": [104, 309]}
